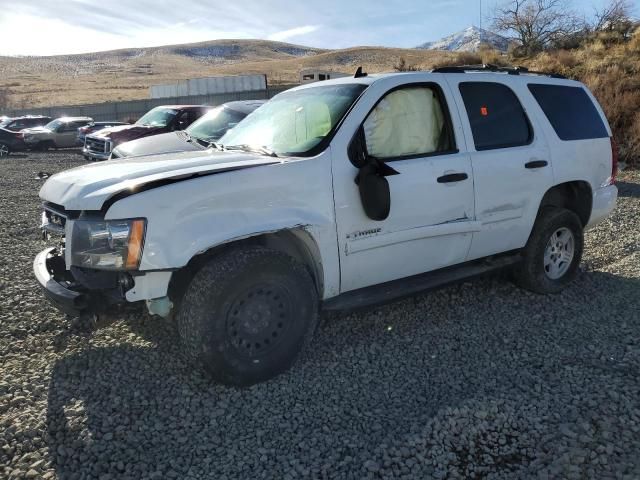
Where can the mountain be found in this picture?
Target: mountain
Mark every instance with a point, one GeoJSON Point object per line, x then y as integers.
{"type": "Point", "coordinates": [468, 40]}
{"type": "Point", "coordinates": [127, 74]}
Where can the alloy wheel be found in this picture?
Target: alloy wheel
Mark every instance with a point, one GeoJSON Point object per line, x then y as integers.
{"type": "Point", "coordinates": [558, 253]}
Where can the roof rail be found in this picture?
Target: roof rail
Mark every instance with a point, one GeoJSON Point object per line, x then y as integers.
{"type": "Point", "coordinates": [493, 68]}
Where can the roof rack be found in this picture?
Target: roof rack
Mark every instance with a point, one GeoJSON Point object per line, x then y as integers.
{"type": "Point", "coordinates": [493, 68]}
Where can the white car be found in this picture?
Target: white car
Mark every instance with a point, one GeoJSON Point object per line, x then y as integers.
{"type": "Point", "coordinates": [336, 195]}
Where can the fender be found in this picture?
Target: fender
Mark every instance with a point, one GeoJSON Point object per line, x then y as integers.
{"type": "Point", "coordinates": [187, 218]}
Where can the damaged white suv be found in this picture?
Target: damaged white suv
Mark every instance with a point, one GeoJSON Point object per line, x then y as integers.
{"type": "Point", "coordinates": [335, 195]}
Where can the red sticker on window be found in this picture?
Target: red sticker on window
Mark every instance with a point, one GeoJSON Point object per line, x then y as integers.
{"type": "Point", "coordinates": [484, 111]}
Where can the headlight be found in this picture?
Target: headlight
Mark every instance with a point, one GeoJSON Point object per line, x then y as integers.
{"type": "Point", "coordinates": [108, 244]}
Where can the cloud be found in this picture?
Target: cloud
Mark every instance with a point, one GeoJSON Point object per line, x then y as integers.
{"type": "Point", "coordinates": [293, 32]}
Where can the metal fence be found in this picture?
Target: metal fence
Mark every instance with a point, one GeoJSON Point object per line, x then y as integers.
{"type": "Point", "coordinates": [134, 109]}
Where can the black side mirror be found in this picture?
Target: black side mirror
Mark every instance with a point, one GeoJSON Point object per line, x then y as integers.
{"type": "Point", "coordinates": [375, 194]}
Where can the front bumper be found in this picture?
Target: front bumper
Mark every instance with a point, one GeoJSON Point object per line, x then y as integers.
{"type": "Point", "coordinates": [604, 201]}
{"type": "Point", "coordinates": [31, 140]}
{"type": "Point", "coordinates": [62, 296]}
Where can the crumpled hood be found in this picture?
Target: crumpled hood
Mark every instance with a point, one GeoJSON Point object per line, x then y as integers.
{"type": "Point", "coordinates": [163, 143]}
{"type": "Point", "coordinates": [125, 133]}
{"type": "Point", "coordinates": [89, 186]}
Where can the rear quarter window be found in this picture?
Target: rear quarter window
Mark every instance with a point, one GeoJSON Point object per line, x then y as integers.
{"type": "Point", "coordinates": [496, 116]}
{"type": "Point", "coordinates": [570, 111]}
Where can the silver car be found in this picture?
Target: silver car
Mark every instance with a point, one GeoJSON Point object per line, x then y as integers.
{"type": "Point", "coordinates": [59, 133]}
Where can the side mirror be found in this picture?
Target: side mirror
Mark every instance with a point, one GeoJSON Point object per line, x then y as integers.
{"type": "Point", "coordinates": [375, 193]}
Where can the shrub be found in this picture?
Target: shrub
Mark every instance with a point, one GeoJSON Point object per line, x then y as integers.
{"type": "Point", "coordinates": [619, 96]}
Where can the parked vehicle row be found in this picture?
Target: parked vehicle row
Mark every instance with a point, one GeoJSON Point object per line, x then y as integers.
{"type": "Point", "coordinates": [98, 146]}
{"type": "Point", "coordinates": [200, 135]}
{"type": "Point", "coordinates": [169, 125]}
{"type": "Point", "coordinates": [335, 195]}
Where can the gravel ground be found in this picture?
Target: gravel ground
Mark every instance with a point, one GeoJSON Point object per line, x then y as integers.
{"type": "Point", "coordinates": [479, 380]}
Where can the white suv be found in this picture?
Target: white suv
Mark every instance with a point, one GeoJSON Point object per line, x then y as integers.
{"type": "Point", "coordinates": [336, 195]}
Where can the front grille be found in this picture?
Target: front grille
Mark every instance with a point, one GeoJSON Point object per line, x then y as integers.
{"type": "Point", "coordinates": [97, 145]}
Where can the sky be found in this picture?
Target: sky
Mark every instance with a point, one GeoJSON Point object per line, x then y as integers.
{"type": "Point", "coordinates": [52, 27]}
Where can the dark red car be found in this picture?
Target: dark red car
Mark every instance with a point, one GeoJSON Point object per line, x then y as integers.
{"type": "Point", "coordinates": [167, 118]}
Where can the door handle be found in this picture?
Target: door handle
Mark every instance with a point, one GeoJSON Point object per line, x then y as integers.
{"type": "Point", "coordinates": [536, 164]}
{"type": "Point", "coordinates": [452, 177]}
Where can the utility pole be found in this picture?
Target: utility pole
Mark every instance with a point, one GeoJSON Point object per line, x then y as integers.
{"type": "Point", "coordinates": [481, 22]}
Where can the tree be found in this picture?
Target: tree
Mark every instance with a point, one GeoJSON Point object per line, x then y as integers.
{"type": "Point", "coordinates": [536, 24]}
{"type": "Point", "coordinates": [613, 17]}
{"type": "Point", "coordinates": [403, 66]}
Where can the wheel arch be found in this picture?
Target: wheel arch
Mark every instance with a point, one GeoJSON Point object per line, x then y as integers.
{"type": "Point", "coordinates": [575, 195]}
{"type": "Point", "coordinates": [296, 242]}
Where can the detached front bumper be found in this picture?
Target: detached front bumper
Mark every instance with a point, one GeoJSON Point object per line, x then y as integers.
{"type": "Point", "coordinates": [61, 295]}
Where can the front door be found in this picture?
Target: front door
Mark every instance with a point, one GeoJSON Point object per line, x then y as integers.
{"type": "Point", "coordinates": [411, 129]}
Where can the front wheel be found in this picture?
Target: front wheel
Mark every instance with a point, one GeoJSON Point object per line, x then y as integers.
{"type": "Point", "coordinates": [553, 253]}
{"type": "Point", "coordinates": [247, 314]}
{"type": "Point", "coordinates": [4, 150]}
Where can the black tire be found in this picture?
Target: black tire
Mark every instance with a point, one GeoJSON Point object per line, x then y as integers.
{"type": "Point", "coordinates": [531, 273]}
{"type": "Point", "coordinates": [247, 313]}
{"type": "Point", "coordinates": [5, 150]}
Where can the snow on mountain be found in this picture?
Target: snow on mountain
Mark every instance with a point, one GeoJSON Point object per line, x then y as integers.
{"type": "Point", "coordinates": [468, 40]}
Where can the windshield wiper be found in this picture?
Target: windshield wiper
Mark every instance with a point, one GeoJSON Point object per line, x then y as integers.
{"type": "Point", "coordinates": [249, 148]}
{"type": "Point", "coordinates": [206, 143]}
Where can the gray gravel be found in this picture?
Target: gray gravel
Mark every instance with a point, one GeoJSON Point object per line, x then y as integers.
{"type": "Point", "coordinates": [479, 380]}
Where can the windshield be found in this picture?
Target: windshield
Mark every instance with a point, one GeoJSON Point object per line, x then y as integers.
{"type": "Point", "coordinates": [5, 122]}
{"type": "Point", "coordinates": [53, 125]}
{"type": "Point", "coordinates": [293, 123]}
{"type": "Point", "coordinates": [158, 117]}
{"type": "Point", "coordinates": [215, 123]}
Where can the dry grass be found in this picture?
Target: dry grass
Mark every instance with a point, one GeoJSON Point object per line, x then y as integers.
{"type": "Point", "coordinates": [128, 74]}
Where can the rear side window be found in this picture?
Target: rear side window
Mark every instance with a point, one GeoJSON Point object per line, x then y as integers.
{"type": "Point", "coordinates": [570, 111]}
{"type": "Point", "coordinates": [496, 116]}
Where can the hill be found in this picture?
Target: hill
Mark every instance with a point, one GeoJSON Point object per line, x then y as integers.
{"type": "Point", "coordinates": [128, 74]}
{"type": "Point", "coordinates": [469, 40]}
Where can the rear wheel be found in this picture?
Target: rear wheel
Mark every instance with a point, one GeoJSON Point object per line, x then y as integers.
{"type": "Point", "coordinates": [4, 150]}
{"type": "Point", "coordinates": [246, 315]}
{"type": "Point", "coordinates": [553, 253]}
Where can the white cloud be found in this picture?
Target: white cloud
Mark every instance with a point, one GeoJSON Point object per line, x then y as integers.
{"type": "Point", "coordinates": [293, 32]}
{"type": "Point", "coordinates": [51, 36]}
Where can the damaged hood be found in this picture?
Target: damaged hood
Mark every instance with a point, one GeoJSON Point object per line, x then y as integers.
{"type": "Point", "coordinates": [126, 133]}
{"type": "Point", "coordinates": [89, 186]}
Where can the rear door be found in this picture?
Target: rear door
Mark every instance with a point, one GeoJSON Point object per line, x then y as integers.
{"type": "Point", "coordinates": [411, 128]}
{"type": "Point", "coordinates": [510, 159]}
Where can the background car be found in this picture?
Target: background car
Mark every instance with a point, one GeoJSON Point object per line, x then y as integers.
{"type": "Point", "coordinates": [10, 142]}
{"type": "Point", "coordinates": [94, 127]}
{"type": "Point", "coordinates": [16, 124]}
{"type": "Point", "coordinates": [157, 120]}
{"type": "Point", "coordinates": [199, 135]}
{"type": "Point", "coordinates": [59, 133]}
